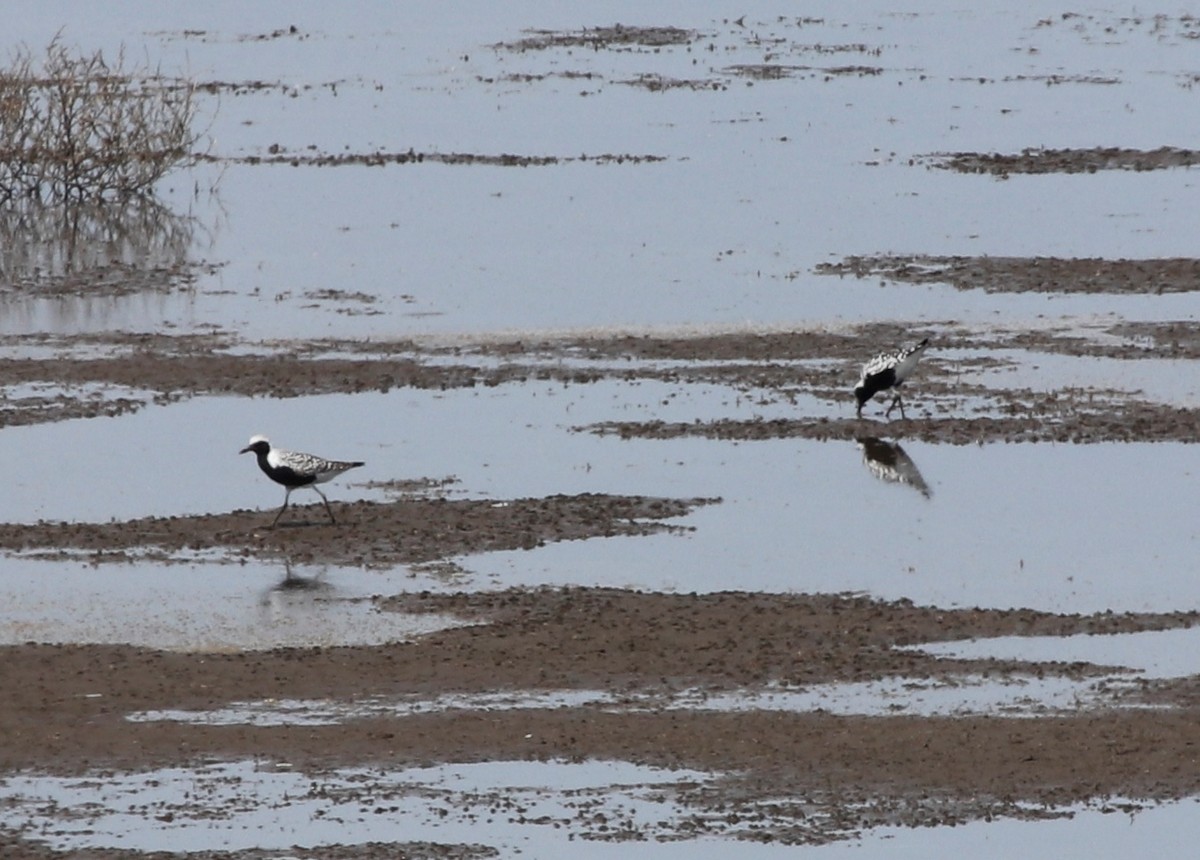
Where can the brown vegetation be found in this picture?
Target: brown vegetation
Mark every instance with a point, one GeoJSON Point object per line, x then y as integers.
{"type": "Point", "coordinates": [79, 127]}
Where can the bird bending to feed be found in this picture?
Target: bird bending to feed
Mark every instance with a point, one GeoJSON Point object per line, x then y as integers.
{"type": "Point", "coordinates": [888, 370]}
{"type": "Point", "coordinates": [292, 470]}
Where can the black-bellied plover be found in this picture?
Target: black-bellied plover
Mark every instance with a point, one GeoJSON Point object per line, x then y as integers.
{"type": "Point", "coordinates": [888, 370]}
{"type": "Point", "coordinates": [293, 470]}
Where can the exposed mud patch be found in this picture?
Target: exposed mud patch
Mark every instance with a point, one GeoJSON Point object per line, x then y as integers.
{"type": "Point", "coordinates": [777, 71]}
{"type": "Point", "coordinates": [785, 774]}
{"type": "Point", "coordinates": [1064, 160]}
{"type": "Point", "coordinates": [630, 644]}
{"type": "Point", "coordinates": [656, 83]}
{"type": "Point", "coordinates": [1173, 339]}
{"type": "Point", "coordinates": [778, 367]}
{"type": "Point", "coordinates": [313, 158]}
{"type": "Point", "coordinates": [1141, 422]}
{"type": "Point", "coordinates": [43, 407]}
{"type": "Point", "coordinates": [1027, 274]}
{"type": "Point", "coordinates": [1050, 81]}
{"type": "Point", "coordinates": [698, 639]}
{"type": "Point", "coordinates": [601, 38]}
{"type": "Point", "coordinates": [367, 534]}
{"type": "Point", "coordinates": [532, 77]}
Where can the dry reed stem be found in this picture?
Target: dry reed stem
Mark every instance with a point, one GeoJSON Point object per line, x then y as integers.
{"type": "Point", "coordinates": [78, 127]}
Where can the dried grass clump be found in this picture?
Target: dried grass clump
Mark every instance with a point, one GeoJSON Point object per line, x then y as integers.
{"type": "Point", "coordinates": [78, 127]}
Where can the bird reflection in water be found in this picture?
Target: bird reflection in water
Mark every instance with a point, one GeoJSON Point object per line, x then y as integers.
{"type": "Point", "coordinates": [889, 462]}
{"type": "Point", "coordinates": [294, 588]}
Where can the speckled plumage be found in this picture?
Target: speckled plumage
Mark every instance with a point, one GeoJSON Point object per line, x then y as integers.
{"type": "Point", "coordinates": [888, 370]}
{"type": "Point", "coordinates": [293, 469]}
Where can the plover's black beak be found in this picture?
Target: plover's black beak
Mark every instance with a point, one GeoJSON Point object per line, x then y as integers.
{"type": "Point", "coordinates": [244, 450]}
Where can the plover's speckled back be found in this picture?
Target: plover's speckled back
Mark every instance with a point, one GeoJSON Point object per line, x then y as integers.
{"type": "Point", "coordinates": [293, 469]}
{"type": "Point", "coordinates": [888, 370]}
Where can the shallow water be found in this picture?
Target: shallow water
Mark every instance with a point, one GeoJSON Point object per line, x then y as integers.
{"type": "Point", "coordinates": [1152, 655]}
{"type": "Point", "coordinates": [1090, 832]}
{"type": "Point", "coordinates": [246, 805]}
{"type": "Point", "coordinates": [526, 808]}
{"type": "Point", "coordinates": [761, 181]}
{"type": "Point", "coordinates": [795, 515]}
{"type": "Point", "coordinates": [958, 696]}
{"type": "Point", "coordinates": [201, 607]}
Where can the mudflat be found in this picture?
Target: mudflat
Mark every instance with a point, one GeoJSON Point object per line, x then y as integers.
{"type": "Point", "coordinates": [655, 659]}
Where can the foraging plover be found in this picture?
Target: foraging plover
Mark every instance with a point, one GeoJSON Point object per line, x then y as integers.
{"type": "Point", "coordinates": [292, 470]}
{"type": "Point", "coordinates": [888, 370]}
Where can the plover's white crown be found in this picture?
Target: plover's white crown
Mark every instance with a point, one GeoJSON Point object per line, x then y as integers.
{"type": "Point", "coordinates": [258, 437]}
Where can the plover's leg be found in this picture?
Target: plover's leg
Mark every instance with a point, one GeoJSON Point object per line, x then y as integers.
{"type": "Point", "coordinates": [897, 400]}
{"type": "Point", "coordinates": [326, 501]}
{"type": "Point", "coordinates": [286, 495]}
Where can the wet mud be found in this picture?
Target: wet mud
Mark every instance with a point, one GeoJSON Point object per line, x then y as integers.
{"type": "Point", "coordinates": [367, 534]}
{"type": "Point", "coordinates": [597, 38]}
{"type": "Point", "coordinates": [379, 159]}
{"type": "Point", "coordinates": [630, 644]}
{"type": "Point", "coordinates": [1028, 274]}
{"type": "Point", "coordinates": [787, 776]}
{"type": "Point", "coordinates": [860, 771]}
{"type": "Point", "coordinates": [777, 367]}
{"type": "Point", "coordinates": [787, 54]}
{"type": "Point", "coordinates": [1047, 421]}
{"type": "Point", "coordinates": [1064, 160]}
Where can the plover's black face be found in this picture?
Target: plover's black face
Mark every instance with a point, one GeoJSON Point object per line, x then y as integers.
{"type": "Point", "coordinates": [258, 444]}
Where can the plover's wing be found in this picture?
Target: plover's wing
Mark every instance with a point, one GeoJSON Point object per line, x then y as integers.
{"type": "Point", "coordinates": [301, 464]}
{"type": "Point", "coordinates": [332, 468]}
{"type": "Point", "coordinates": [879, 364]}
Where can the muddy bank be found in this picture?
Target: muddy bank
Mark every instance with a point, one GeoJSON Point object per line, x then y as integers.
{"type": "Point", "coordinates": [369, 534]}
{"type": "Point", "coordinates": [836, 774]}
{"type": "Point", "coordinates": [1051, 421]}
{"type": "Point", "coordinates": [630, 644]}
{"type": "Point", "coordinates": [951, 400]}
{"type": "Point", "coordinates": [598, 38]}
{"type": "Point", "coordinates": [1065, 160]}
{"type": "Point", "coordinates": [1027, 274]}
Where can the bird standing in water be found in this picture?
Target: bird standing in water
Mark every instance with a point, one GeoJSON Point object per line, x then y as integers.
{"type": "Point", "coordinates": [888, 370]}
{"type": "Point", "coordinates": [293, 469]}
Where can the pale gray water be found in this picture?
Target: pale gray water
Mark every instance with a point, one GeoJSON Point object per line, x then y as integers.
{"type": "Point", "coordinates": [762, 181]}
{"type": "Point", "coordinates": [539, 809]}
